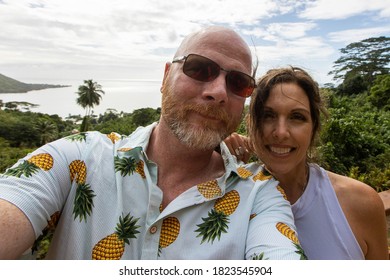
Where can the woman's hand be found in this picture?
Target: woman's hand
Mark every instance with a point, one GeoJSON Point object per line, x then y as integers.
{"type": "Point", "coordinates": [239, 146]}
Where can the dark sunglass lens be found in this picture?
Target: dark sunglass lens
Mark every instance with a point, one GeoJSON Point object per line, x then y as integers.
{"type": "Point", "coordinates": [240, 83]}
{"type": "Point", "coordinates": [200, 68]}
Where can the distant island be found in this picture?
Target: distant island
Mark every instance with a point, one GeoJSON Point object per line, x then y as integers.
{"type": "Point", "coordinates": [9, 85]}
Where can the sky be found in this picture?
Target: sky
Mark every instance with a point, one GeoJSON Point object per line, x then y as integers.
{"type": "Point", "coordinates": [121, 39]}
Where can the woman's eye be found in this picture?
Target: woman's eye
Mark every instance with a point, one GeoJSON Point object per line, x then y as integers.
{"type": "Point", "coordinates": [298, 117]}
{"type": "Point", "coordinates": [269, 115]}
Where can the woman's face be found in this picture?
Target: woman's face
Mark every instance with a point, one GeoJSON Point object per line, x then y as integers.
{"type": "Point", "coordinates": [287, 129]}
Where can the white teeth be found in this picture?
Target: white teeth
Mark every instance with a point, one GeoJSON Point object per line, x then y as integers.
{"type": "Point", "coordinates": [280, 150]}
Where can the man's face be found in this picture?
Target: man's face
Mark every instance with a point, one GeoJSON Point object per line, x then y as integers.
{"type": "Point", "coordinates": [202, 114]}
{"type": "Point", "coordinates": [197, 125]}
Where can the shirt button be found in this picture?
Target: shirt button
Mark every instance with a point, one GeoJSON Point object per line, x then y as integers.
{"type": "Point", "coordinates": [153, 230]}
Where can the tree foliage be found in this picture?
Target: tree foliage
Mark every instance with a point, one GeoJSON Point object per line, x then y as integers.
{"type": "Point", "coordinates": [380, 92]}
{"type": "Point", "coordinates": [355, 141]}
{"type": "Point", "coordinates": [362, 61]}
{"type": "Point", "coordinates": [9, 155]}
{"type": "Point", "coordinates": [47, 131]}
{"type": "Point", "coordinates": [128, 122]}
{"type": "Point", "coordinates": [21, 132]}
{"type": "Point", "coordinates": [89, 95]}
{"type": "Point", "coordinates": [27, 128]}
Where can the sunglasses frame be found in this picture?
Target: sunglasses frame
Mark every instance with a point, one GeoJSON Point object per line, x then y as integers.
{"type": "Point", "coordinates": [229, 72]}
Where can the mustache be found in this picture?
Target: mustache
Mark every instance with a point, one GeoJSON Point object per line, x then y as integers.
{"type": "Point", "coordinates": [209, 111]}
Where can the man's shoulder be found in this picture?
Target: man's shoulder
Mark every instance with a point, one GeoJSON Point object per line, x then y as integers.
{"type": "Point", "coordinates": [141, 134]}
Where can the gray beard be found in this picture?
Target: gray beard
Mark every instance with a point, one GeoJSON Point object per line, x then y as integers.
{"type": "Point", "coordinates": [201, 139]}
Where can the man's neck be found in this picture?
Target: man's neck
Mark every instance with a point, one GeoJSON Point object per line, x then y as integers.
{"type": "Point", "coordinates": [180, 167]}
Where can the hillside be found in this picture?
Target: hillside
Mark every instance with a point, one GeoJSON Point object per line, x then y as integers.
{"type": "Point", "coordinates": [9, 85]}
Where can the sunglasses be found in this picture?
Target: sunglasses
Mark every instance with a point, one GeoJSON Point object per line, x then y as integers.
{"type": "Point", "coordinates": [203, 69]}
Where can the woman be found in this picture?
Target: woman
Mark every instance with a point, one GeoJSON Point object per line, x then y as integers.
{"type": "Point", "coordinates": [336, 217]}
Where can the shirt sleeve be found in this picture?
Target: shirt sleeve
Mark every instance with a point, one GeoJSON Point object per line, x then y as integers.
{"type": "Point", "coordinates": [39, 183]}
{"type": "Point", "coordinates": [272, 233]}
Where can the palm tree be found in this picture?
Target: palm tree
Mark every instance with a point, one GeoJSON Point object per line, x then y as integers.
{"type": "Point", "coordinates": [47, 131]}
{"type": "Point", "coordinates": [89, 96]}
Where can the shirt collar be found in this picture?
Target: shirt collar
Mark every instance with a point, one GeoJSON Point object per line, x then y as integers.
{"type": "Point", "coordinates": [140, 139]}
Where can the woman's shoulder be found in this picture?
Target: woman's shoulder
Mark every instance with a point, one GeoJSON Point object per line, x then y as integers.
{"type": "Point", "coordinates": [355, 194]}
{"type": "Point", "coordinates": [365, 213]}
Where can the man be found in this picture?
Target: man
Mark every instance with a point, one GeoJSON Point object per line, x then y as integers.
{"type": "Point", "coordinates": [163, 192]}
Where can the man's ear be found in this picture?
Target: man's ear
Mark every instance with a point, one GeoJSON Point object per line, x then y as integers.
{"type": "Point", "coordinates": [166, 71]}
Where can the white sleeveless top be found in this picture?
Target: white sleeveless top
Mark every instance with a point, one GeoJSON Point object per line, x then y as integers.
{"type": "Point", "coordinates": [323, 230]}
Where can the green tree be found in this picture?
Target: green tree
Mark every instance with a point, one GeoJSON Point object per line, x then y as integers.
{"type": "Point", "coordinates": [355, 140]}
{"type": "Point", "coordinates": [47, 131]}
{"type": "Point", "coordinates": [128, 122]}
{"type": "Point", "coordinates": [367, 58]}
{"type": "Point", "coordinates": [89, 95]}
{"type": "Point", "coordinates": [18, 128]}
{"type": "Point", "coordinates": [353, 84]}
{"type": "Point", "coordinates": [380, 92]}
{"type": "Point", "coordinates": [10, 155]}
{"type": "Point", "coordinates": [145, 116]}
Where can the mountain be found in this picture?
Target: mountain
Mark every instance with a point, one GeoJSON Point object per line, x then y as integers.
{"type": "Point", "coordinates": [9, 85]}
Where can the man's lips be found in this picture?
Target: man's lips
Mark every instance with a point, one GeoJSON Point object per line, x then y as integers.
{"type": "Point", "coordinates": [215, 116]}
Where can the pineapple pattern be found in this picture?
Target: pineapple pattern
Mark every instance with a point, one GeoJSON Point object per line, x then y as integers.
{"type": "Point", "coordinates": [140, 169]}
{"type": "Point", "coordinates": [256, 257]}
{"type": "Point", "coordinates": [83, 201]}
{"type": "Point", "coordinates": [244, 173]}
{"type": "Point", "coordinates": [78, 171]}
{"type": "Point", "coordinates": [210, 189]}
{"type": "Point", "coordinates": [128, 165]}
{"type": "Point", "coordinates": [121, 236]}
{"type": "Point", "coordinates": [124, 149]}
{"type": "Point", "coordinates": [43, 161]}
{"type": "Point", "coordinates": [79, 137]}
{"type": "Point", "coordinates": [281, 190]}
{"type": "Point", "coordinates": [170, 230]}
{"type": "Point", "coordinates": [113, 137]}
{"type": "Point", "coordinates": [112, 246]}
{"type": "Point", "coordinates": [42, 243]}
{"type": "Point", "coordinates": [218, 218]}
{"type": "Point", "coordinates": [290, 234]}
{"type": "Point", "coordinates": [262, 175]}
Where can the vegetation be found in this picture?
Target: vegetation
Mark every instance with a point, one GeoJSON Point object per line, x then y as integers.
{"type": "Point", "coordinates": [9, 85]}
{"type": "Point", "coordinates": [89, 96]}
{"type": "Point", "coordinates": [360, 63]}
{"type": "Point", "coordinates": [355, 140]}
{"type": "Point", "coordinates": [22, 132]}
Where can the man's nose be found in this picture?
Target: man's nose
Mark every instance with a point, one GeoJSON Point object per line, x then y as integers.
{"type": "Point", "coordinates": [216, 90]}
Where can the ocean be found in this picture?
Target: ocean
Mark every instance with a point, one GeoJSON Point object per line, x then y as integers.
{"type": "Point", "coordinates": [120, 95]}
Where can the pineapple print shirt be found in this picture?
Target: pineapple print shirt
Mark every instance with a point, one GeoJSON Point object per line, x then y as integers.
{"type": "Point", "coordinates": [99, 196]}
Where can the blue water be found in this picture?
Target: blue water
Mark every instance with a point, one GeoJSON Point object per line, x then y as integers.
{"type": "Point", "coordinates": [121, 95]}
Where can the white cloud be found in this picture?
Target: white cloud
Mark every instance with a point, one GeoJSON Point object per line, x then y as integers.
{"type": "Point", "coordinates": [134, 38]}
{"type": "Point", "coordinates": [281, 31]}
{"type": "Point", "coordinates": [304, 52]}
{"type": "Point", "coordinates": [289, 43]}
{"type": "Point", "coordinates": [117, 31]}
{"type": "Point", "coordinates": [340, 9]}
{"type": "Point", "coordinates": [356, 35]}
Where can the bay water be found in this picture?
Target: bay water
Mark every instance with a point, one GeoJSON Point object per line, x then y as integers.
{"type": "Point", "coordinates": [122, 95]}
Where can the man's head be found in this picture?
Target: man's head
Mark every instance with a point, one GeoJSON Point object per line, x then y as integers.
{"type": "Point", "coordinates": [205, 87]}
